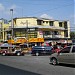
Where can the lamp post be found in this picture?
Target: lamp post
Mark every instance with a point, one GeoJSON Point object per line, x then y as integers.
{"type": "Point", "coordinates": [12, 26]}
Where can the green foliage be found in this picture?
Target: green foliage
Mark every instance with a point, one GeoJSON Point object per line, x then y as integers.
{"type": "Point", "coordinates": [72, 35]}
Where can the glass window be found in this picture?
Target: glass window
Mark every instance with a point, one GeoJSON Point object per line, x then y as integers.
{"type": "Point", "coordinates": [47, 33]}
{"type": "Point", "coordinates": [46, 21]}
{"type": "Point", "coordinates": [43, 21]}
{"type": "Point", "coordinates": [73, 50]}
{"type": "Point", "coordinates": [65, 25]}
{"type": "Point", "coordinates": [39, 22]}
{"type": "Point", "coordinates": [66, 50]}
{"type": "Point", "coordinates": [56, 33]}
{"type": "Point", "coordinates": [60, 24]}
{"type": "Point", "coordinates": [51, 23]}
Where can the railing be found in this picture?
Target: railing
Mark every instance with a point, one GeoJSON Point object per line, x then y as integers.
{"type": "Point", "coordinates": [47, 36]}
{"type": "Point", "coordinates": [52, 36]}
{"type": "Point", "coordinates": [57, 36]}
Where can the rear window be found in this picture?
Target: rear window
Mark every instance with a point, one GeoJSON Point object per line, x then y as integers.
{"type": "Point", "coordinates": [73, 50]}
{"type": "Point", "coordinates": [41, 48]}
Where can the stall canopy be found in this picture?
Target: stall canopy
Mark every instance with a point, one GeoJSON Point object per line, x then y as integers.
{"type": "Point", "coordinates": [7, 45]}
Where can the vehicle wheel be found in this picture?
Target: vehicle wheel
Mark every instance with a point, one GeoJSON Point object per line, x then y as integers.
{"type": "Point", "coordinates": [3, 54]}
{"type": "Point", "coordinates": [18, 54]}
{"type": "Point", "coordinates": [37, 54]}
{"type": "Point", "coordinates": [54, 61]}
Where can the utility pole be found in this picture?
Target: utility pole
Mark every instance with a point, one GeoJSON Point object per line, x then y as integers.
{"type": "Point", "coordinates": [12, 26]}
{"type": "Point", "coordinates": [27, 31]}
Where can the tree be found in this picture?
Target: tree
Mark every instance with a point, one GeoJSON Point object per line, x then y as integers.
{"type": "Point", "coordinates": [72, 35]}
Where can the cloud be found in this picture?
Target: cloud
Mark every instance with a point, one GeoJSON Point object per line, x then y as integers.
{"type": "Point", "coordinates": [1, 7]}
{"type": "Point", "coordinates": [5, 10]}
{"type": "Point", "coordinates": [46, 16]}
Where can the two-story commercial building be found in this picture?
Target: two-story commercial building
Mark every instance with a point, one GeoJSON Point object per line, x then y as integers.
{"type": "Point", "coordinates": [33, 28]}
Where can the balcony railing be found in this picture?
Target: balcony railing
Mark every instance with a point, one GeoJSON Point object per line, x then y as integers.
{"type": "Point", "coordinates": [57, 36]}
{"type": "Point", "coordinates": [52, 36]}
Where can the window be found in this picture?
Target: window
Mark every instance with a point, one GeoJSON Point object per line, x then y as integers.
{"type": "Point", "coordinates": [65, 33]}
{"type": "Point", "coordinates": [51, 23]}
{"type": "Point", "coordinates": [73, 50]}
{"type": "Point", "coordinates": [47, 33]}
{"type": "Point", "coordinates": [60, 24]}
{"type": "Point", "coordinates": [65, 25]}
{"type": "Point", "coordinates": [43, 21]}
{"type": "Point", "coordinates": [66, 50]}
{"type": "Point", "coordinates": [46, 21]}
{"type": "Point", "coordinates": [39, 22]}
{"type": "Point", "coordinates": [56, 32]}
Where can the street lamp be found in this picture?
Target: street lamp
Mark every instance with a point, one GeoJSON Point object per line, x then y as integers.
{"type": "Point", "coordinates": [12, 26]}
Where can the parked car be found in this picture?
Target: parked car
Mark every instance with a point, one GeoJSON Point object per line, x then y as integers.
{"type": "Point", "coordinates": [66, 55]}
{"type": "Point", "coordinates": [41, 50]}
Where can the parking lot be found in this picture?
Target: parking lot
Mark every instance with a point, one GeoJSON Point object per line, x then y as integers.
{"type": "Point", "coordinates": [32, 65]}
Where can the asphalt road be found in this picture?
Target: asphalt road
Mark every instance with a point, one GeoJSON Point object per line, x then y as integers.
{"type": "Point", "coordinates": [32, 65]}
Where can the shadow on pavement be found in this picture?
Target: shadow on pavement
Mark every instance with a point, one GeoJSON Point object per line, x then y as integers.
{"type": "Point", "coordinates": [64, 65]}
{"type": "Point", "coordinates": [67, 65]}
{"type": "Point", "coordinates": [7, 70]}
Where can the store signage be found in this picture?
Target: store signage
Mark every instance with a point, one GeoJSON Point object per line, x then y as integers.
{"type": "Point", "coordinates": [36, 40]}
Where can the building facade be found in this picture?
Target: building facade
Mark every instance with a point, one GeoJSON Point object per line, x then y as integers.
{"type": "Point", "coordinates": [4, 28]}
{"type": "Point", "coordinates": [33, 27]}
{"type": "Point", "coordinates": [41, 28]}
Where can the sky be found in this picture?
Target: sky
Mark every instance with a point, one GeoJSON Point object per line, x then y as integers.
{"type": "Point", "coordinates": [52, 9]}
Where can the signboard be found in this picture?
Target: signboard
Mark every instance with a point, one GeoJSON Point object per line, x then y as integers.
{"type": "Point", "coordinates": [36, 40]}
{"type": "Point", "coordinates": [19, 40]}
{"type": "Point", "coordinates": [22, 40]}
{"type": "Point", "coordinates": [11, 41]}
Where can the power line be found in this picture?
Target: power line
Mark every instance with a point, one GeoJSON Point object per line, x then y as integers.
{"type": "Point", "coordinates": [55, 8]}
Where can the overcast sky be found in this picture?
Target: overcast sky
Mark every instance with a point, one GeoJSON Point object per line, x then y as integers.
{"type": "Point", "coordinates": [53, 9]}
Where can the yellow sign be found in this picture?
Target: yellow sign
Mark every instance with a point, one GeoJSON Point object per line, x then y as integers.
{"type": "Point", "coordinates": [36, 40]}
{"type": "Point", "coordinates": [19, 40]}
{"type": "Point", "coordinates": [22, 40]}
{"type": "Point", "coordinates": [11, 41]}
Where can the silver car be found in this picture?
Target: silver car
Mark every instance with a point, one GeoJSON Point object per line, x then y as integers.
{"type": "Point", "coordinates": [66, 55]}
